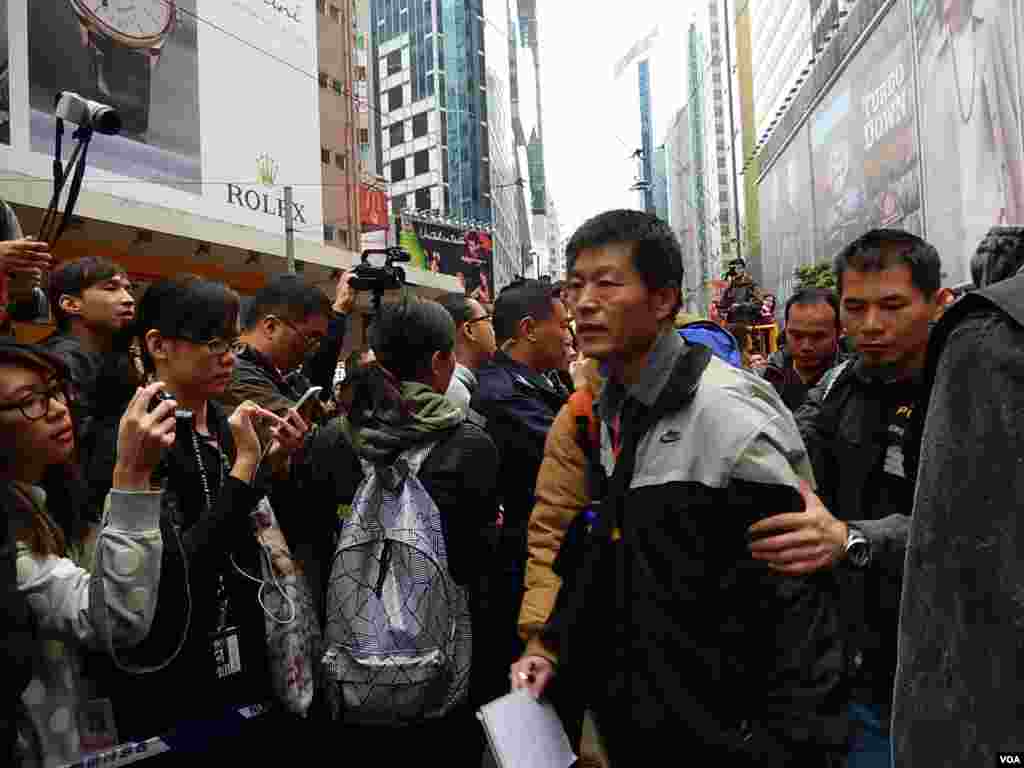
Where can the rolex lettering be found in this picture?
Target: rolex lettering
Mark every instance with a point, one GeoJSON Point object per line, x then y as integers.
{"type": "Point", "coordinates": [125, 39]}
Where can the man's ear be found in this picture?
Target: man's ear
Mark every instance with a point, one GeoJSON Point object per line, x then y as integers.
{"type": "Point", "coordinates": [664, 301]}
{"type": "Point", "coordinates": [70, 305]}
{"type": "Point", "coordinates": [527, 328]}
{"type": "Point", "coordinates": [267, 325]}
{"type": "Point", "coordinates": [156, 344]}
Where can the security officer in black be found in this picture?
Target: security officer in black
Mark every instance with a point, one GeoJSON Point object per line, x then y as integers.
{"type": "Point", "coordinates": [853, 424]}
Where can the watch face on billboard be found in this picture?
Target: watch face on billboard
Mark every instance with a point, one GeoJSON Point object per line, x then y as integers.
{"type": "Point", "coordinates": [141, 58]}
{"type": "Point", "coordinates": [142, 20]}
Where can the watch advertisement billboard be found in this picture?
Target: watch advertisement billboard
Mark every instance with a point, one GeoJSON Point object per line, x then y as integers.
{"type": "Point", "coordinates": [465, 254]}
{"type": "Point", "coordinates": [864, 144]}
{"type": "Point", "coordinates": [207, 93]}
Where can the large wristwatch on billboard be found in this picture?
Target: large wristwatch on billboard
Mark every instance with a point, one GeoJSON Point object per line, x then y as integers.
{"type": "Point", "coordinates": [125, 40]}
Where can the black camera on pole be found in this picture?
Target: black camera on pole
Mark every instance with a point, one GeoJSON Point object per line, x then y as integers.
{"type": "Point", "coordinates": [367, 277]}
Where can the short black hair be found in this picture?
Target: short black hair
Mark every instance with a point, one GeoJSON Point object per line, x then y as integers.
{"type": "Point", "coordinates": [76, 277]}
{"type": "Point", "coordinates": [289, 297]}
{"type": "Point", "coordinates": [865, 255]}
{"type": "Point", "coordinates": [810, 296]}
{"type": "Point", "coordinates": [522, 298]}
{"type": "Point", "coordinates": [657, 255]}
{"type": "Point", "coordinates": [187, 307]}
{"type": "Point", "coordinates": [404, 336]}
{"type": "Point", "coordinates": [457, 305]}
{"type": "Point", "coordinates": [999, 255]}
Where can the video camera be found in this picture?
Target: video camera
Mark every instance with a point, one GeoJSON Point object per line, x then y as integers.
{"type": "Point", "coordinates": [83, 112]}
{"type": "Point", "coordinates": [367, 277]}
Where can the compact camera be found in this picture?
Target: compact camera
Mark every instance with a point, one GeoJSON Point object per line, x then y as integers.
{"type": "Point", "coordinates": [88, 114]}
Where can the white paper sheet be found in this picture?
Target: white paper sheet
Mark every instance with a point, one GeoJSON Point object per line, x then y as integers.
{"type": "Point", "coordinates": [525, 733]}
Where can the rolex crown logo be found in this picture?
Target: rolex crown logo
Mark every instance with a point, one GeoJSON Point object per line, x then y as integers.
{"type": "Point", "coordinates": [266, 170]}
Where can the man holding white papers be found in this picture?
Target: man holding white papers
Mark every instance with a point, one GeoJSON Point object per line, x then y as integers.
{"type": "Point", "coordinates": [680, 642]}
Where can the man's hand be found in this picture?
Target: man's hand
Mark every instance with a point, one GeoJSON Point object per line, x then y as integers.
{"type": "Point", "coordinates": [25, 254]}
{"type": "Point", "coordinates": [798, 543]}
{"type": "Point", "coordinates": [24, 261]}
{"type": "Point", "coordinates": [344, 296]}
{"type": "Point", "coordinates": [533, 673]}
{"type": "Point", "coordinates": [289, 435]}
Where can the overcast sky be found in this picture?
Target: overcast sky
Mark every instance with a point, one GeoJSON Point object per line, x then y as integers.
{"type": "Point", "coordinates": [591, 120]}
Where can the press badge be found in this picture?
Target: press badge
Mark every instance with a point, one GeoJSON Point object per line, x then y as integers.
{"type": "Point", "coordinates": [227, 658]}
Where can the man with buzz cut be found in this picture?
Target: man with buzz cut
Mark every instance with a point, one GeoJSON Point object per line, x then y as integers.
{"type": "Point", "coordinates": [678, 641]}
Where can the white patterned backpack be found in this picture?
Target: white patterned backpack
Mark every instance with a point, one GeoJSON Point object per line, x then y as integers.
{"type": "Point", "coordinates": [398, 639]}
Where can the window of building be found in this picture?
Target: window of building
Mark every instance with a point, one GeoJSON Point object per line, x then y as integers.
{"type": "Point", "coordinates": [343, 237]}
{"type": "Point", "coordinates": [398, 170]}
{"type": "Point", "coordinates": [329, 232]}
{"type": "Point", "coordinates": [364, 135]}
{"type": "Point", "coordinates": [364, 154]}
{"type": "Point", "coordinates": [321, 6]}
{"type": "Point", "coordinates": [360, 72]}
{"type": "Point", "coordinates": [398, 203]}
{"type": "Point", "coordinates": [397, 133]}
{"type": "Point", "coordinates": [423, 199]}
{"type": "Point", "coordinates": [323, 79]}
{"type": "Point", "coordinates": [421, 162]}
{"type": "Point", "coordinates": [341, 161]}
{"type": "Point", "coordinates": [335, 13]}
{"type": "Point", "coordinates": [360, 42]}
{"type": "Point", "coordinates": [444, 165]}
{"type": "Point", "coordinates": [419, 125]}
{"type": "Point", "coordinates": [325, 155]}
{"type": "Point", "coordinates": [395, 62]}
{"type": "Point", "coordinates": [336, 85]}
{"type": "Point", "coordinates": [395, 98]}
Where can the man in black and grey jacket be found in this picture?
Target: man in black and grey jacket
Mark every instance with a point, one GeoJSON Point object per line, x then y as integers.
{"type": "Point", "coordinates": [853, 423]}
{"type": "Point", "coordinates": [677, 639]}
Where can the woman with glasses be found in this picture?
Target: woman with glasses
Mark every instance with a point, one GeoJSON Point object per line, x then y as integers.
{"type": "Point", "coordinates": [208, 637]}
{"type": "Point", "coordinates": [68, 609]}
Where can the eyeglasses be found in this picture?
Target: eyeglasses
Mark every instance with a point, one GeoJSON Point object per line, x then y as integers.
{"type": "Point", "coordinates": [217, 347]}
{"type": "Point", "coordinates": [310, 342]}
{"type": "Point", "coordinates": [485, 318]}
{"type": "Point", "coordinates": [37, 405]}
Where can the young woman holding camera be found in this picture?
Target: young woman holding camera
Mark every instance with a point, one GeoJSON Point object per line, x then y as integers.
{"type": "Point", "coordinates": [207, 643]}
{"type": "Point", "coordinates": [69, 607]}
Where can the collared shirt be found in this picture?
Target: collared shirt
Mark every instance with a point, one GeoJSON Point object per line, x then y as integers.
{"type": "Point", "coordinates": [661, 361]}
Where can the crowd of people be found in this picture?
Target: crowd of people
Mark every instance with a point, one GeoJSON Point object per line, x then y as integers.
{"type": "Point", "coordinates": [572, 491]}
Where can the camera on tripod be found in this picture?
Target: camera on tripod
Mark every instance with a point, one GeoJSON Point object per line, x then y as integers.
{"type": "Point", "coordinates": [367, 277]}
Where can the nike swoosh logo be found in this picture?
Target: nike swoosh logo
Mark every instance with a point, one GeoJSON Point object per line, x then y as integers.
{"type": "Point", "coordinates": [671, 437]}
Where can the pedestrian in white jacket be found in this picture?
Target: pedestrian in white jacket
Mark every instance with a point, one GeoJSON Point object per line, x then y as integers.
{"type": "Point", "coordinates": [71, 607]}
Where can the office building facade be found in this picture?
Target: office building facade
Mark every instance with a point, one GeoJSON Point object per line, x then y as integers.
{"type": "Point", "coordinates": [339, 159]}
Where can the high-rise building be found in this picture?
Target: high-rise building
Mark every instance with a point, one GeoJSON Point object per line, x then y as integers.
{"type": "Point", "coordinates": [682, 212]}
{"type": "Point", "coordinates": [781, 46]}
{"type": "Point", "coordinates": [508, 252]}
{"type": "Point", "coordinates": [433, 102]}
{"type": "Point", "coordinates": [719, 188]}
{"type": "Point", "coordinates": [338, 123]}
{"type": "Point", "coordinates": [744, 137]}
{"type": "Point", "coordinates": [698, 196]}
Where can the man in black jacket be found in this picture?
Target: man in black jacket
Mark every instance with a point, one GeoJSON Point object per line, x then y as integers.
{"type": "Point", "coordinates": [681, 643]}
{"type": "Point", "coordinates": [853, 424]}
{"type": "Point", "coordinates": [92, 302]}
{"type": "Point", "coordinates": [519, 404]}
{"type": "Point", "coordinates": [292, 338]}
{"type": "Point", "coordinates": [812, 345]}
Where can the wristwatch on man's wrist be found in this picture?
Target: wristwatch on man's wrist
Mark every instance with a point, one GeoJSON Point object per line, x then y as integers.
{"type": "Point", "coordinates": [125, 41]}
{"type": "Point", "coordinates": [858, 548]}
